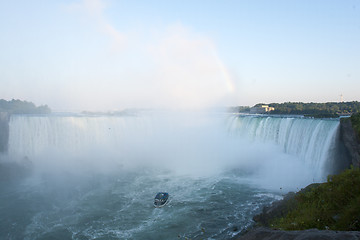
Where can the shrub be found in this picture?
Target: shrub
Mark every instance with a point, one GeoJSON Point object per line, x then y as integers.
{"type": "Point", "coordinates": [332, 205]}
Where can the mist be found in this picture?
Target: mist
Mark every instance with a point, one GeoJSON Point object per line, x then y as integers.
{"type": "Point", "coordinates": [73, 174]}
{"type": "Point", "coordinates": [91, 169]}
{"type": "Point", "coordinates": [194, 144]}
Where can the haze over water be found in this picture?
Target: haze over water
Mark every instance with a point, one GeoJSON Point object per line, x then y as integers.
{"type": "Point", "coordinates": [95, 177]}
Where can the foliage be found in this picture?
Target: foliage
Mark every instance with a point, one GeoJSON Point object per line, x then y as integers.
{"type": "Point", "coordinates": [332, 205]}
{"type": "Point", "coordinates": [240, 109]}
{"type": "Point", "coordinates": [355, 121]}
{"type": "Point", "coordinates": [22, 107]}
{"type": "Point", "coordinates": [259, 104]}
{"type": "Point", "coordinates": [329, 109]}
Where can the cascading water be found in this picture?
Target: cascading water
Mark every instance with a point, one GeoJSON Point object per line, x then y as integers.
{"type": "Point", "coordinates": [94, 177]}
{"type": "Point", "coordinates": [30, 136]}
{"type": "Point", "coordinates": [311, 140]}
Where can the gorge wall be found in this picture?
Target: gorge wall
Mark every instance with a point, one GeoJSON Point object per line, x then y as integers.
{"type": "Point", "coordinates": [351, 141]}
{"type": "Point", "coordinates": [4, 131]}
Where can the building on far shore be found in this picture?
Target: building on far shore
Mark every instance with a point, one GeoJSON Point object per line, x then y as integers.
{"type": "Point", "coordinates": [261, 109]}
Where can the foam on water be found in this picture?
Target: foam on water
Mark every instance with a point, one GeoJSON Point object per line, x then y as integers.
{"type": "Point", "coordinates": [199, 208]}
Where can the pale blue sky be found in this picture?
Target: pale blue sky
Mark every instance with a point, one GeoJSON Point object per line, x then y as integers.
{"type": "Point", "coordinates": [108, 55]}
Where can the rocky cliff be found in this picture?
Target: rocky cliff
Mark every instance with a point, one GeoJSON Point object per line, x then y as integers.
{"type": "Point", "coordinates": [4, 131]}
{"type": "Point", "coordinates": [351, 141]}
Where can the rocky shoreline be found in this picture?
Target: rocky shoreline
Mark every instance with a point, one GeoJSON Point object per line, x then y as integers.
{"type": "Point", "coordinates": [262, 229]}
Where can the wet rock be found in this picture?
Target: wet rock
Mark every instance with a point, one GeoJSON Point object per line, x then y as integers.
{"type": "Point", "coordinates": [350, 140]}
{"type": "Point", "coordinates": [276, 210]}
{"type": "Point", "coordinates": [280, 208]}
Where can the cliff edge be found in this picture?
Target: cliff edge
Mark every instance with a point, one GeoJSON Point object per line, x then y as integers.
{"type": "Point", "coordinates": [351, 141]}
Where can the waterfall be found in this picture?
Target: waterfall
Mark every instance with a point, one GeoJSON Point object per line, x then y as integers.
{"type": "Point", "coordinates": [32, 135]}
{"type": "Point", "coordinates": [195, 141]}
{"type": "Point", "coordinates": [91, 176]}
{"type": "Point", "coordinates": [311, 140]}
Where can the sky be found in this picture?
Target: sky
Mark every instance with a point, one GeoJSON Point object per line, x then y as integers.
{"type": "Point", "coordinates": [107, 55]}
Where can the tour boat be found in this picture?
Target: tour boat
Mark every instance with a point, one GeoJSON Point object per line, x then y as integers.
{"type": "Point", "coordinates": [161, 199]}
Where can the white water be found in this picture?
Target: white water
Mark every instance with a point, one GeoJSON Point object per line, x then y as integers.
{"type": "Point", "coordinates": [311, 140]}
{"type": "Point", "coordinates": [94, 177]}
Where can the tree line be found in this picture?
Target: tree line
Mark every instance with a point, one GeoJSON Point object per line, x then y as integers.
{"type": "Point", "coordinates": [329, 109]}
{"type": "Point", "coordinates": [22, 107]}
{"type": "Point", "coordinates": [321, 110]}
